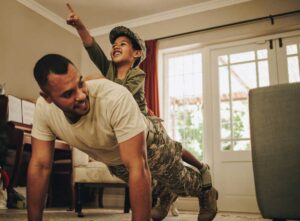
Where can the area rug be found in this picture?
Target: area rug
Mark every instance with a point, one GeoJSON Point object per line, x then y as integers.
{"type": "Point", "coordinates": [118, 215]}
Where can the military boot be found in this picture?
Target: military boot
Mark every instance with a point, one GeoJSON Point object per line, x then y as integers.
{"type": "Point", "coordinates": [208, 204]}
{"type": "Point", "coordinates": [162, 207]}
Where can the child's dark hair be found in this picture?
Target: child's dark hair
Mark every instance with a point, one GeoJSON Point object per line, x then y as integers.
{"type": "Point", "coordinates": [50, 63]}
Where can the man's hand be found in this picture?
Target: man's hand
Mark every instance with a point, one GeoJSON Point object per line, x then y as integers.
{"type": "Point", "coordinates": [74, 19]}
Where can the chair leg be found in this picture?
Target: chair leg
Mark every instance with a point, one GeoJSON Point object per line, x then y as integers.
{"type": "Point", "coordinates": [127, 200]}
{"type": "Point", "coordinates": [78, 208]}
{"type": "Point", "coordinates": [72, 196]}
{"type": "Point", "coordinates": [100, 197]}
{"type": "Point", "coordinates": [72, 192]}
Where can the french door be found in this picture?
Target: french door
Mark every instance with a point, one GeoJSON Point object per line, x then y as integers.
{"type": "Point", "coordinates": [236, 69]}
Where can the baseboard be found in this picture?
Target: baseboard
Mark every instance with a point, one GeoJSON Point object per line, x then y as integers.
{"type": "Point", "coordinates": [182, 203]}
{"type": "Point", "coordinates": [187, 204]}
{"type": "Point", "coordinates": [113, 201]}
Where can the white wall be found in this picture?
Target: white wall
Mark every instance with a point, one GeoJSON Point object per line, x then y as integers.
{"type": "Point", "coordinates": [25, 37]}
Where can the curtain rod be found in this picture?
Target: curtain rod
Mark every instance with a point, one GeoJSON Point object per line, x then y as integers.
{"type": "Point", "coordinates": [271, 17]}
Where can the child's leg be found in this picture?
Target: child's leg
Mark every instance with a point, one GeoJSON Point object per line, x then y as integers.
{"type": "Point", "coordinates": [189, 158]}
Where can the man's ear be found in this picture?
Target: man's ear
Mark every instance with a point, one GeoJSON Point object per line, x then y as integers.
{"type": "Point", "coordinates": [46, 97]}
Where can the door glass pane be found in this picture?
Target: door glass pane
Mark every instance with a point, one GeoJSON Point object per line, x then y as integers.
{"type": "Point", "coordinates": [224, 82]}
{"type": "Point", "coordinates": [247, 70]}
{"type": "Point", "coordinates": [240, 117]}
{"type": "Point", "coordinates": [241, 145]}
{"type": "Point", "coordinates": [263, 73]}
{"type": "Point", "coordinates": [226, 145]}
{"type": "Point", "coordinates": [262, 54]}
{"type": "Point", "coordinates": [242, 57]}
{"type": "Point", "coordinates": [293, 69]}
{"type": "Point", "coordinates": [223, 60]}
{"type": "Point", "coordinates": [292, 53]}
{"type": "Point", "coordinates": [291, 49]}
{"type": "Point", "coordinates": [185, 96]}
{"type": "Point", "coordinates": [243, 77]}
{"type": "Point", "coordinates": [225, 120]}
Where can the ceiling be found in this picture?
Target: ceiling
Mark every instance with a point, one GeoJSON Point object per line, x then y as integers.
{"type": "Point", "coordinates": [102, 15]}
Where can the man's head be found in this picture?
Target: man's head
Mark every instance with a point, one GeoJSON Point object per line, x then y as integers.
{"type": "Point", "coordinates": [61, 84]}
{"type": "Point", "coordinates": [121, 33]}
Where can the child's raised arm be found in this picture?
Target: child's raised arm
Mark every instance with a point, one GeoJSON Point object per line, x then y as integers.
{"type": "Point", "coordinates": [74, 21]}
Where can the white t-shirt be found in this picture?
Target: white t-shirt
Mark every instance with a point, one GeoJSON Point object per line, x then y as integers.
{"type": "Point", "coordinates": [114, 117]}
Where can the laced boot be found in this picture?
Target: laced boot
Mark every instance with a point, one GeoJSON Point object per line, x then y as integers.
{"type": "Point", "coordinates": [208, 204]}
{"type": "Point", "coordinates": [162, 207]}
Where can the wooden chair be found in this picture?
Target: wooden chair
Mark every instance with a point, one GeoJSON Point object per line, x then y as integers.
{"type": "Point", "coordinates": [92, 173]}
{"type": "Point", "coordinates": [14, 159]}
{"type": "Point", "coordinates": [61, 172]}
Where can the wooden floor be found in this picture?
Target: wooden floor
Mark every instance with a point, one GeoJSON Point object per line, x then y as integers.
{"type": "Point", "coordinates": [118, 215]}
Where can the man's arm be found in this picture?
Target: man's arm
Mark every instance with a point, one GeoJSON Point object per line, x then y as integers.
{"type": "Point", "coordinates": [133, 155]}
{"type": "Point", "coordinates": [38, 177]}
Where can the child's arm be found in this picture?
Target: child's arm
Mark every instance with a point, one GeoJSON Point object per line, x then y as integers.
{"type": "Point", "coordinates": [94, 50]}
{"type": "Point", "coordinates": [135, 82]}
{"type": "Point", "coordinates": [75, 21]}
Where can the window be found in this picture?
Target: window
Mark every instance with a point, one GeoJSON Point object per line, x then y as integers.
{"type": "Point", "coordinates": [292, 53]}
{"type": "Point", "coordinates": [183, 99]}
{"type": "Point", "coordinates": [239, 72]}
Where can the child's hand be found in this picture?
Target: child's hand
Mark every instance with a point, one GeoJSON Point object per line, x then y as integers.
{"type": "Point", "coordinates": [74, 19]}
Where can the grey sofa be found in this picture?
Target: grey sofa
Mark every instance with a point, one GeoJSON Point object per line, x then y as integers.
{"type": "Point", "coordinates": [275, 141]}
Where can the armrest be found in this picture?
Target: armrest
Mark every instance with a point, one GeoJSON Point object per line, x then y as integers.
{"type": "Point", "coordinates": [79, 158]}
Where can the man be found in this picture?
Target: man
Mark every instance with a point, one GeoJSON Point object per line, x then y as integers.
{"type": "Point", "coordinates": [102, 119]}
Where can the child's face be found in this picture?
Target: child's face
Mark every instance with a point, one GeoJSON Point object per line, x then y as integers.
{"type": "Point", "coordinates": [123, 53]}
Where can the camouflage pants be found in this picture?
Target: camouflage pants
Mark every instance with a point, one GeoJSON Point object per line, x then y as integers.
{"type": "Point", "coordinates": [165, 163]}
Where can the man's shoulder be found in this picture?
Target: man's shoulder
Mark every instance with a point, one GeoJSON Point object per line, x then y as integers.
{"type": "Point", "coordinates": [46, 108]}
{"type": "Point", "coordinates": [41, 102]}
{"type": "Point", "coordinates": [103, 86]}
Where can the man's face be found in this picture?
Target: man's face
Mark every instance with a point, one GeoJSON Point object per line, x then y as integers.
{"type": "Point", "coordinates": [122, 51]}
{"type": "Point", "coordinates": [68, 92]}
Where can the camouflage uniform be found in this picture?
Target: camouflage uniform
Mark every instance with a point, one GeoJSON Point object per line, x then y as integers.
{"type": "Point", "coordinates": [166, 166]}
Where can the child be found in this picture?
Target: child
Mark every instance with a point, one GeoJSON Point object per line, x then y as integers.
{"type": "Point", "coordinates": [128, 51]}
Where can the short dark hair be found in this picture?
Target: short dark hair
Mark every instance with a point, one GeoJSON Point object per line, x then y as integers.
{"type": "Point", "coordinates": [50, 63]}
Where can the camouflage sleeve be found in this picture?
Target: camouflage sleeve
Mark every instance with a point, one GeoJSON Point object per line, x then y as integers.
{"type": "Point", "coordinates": [135, 83]}
{"type": "Point", "coordinates": [98, 57]}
